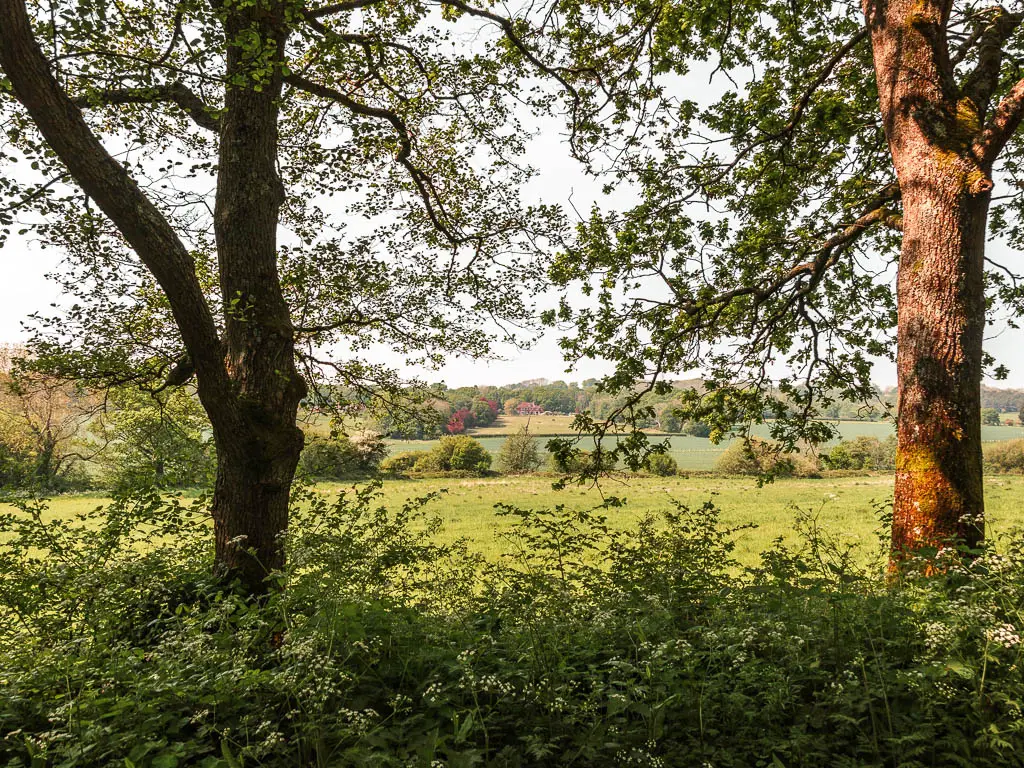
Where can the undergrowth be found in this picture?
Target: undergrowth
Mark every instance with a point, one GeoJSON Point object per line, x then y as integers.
{"type": "Point", "coordinates": [585, 646]}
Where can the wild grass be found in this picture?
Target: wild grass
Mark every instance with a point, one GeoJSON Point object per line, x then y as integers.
{"type": "Point", "coordinates": [848, 506]}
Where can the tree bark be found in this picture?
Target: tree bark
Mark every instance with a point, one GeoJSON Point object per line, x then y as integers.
{"type": "Point", "coordinates": [932, 130]}
{"type": "Point", "coordinates": [258, 450]}
{"type": "Point", "coordinates": [938, 496]}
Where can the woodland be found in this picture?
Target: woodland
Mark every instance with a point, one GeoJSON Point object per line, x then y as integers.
{"type": "Point", "coordinates": [252, 198]}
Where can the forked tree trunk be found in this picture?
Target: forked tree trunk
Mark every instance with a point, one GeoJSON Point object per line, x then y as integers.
{"type": "Point", "coordinates": [247, 379]}
{"type": "Point", "coordinates": [258, 441]}
{"type": "Point", "coordinates": [932, 127]}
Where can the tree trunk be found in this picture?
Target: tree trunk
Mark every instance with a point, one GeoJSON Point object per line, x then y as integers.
{"type": "Point", "coordinates": [933, 126]}
{"type": "Point", "coordinates": [258, 441]}
{"type": "Point", "coordinates": [938, 494]}
{"type": "Point", "coordinates": [250, 503]}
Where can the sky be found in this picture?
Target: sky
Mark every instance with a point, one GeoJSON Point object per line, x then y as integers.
{"type": "Point", "coordinates": [25, 289]}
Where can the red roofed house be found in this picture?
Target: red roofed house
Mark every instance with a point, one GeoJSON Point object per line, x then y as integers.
{"type": "Point", "coordinates": [529, 409]}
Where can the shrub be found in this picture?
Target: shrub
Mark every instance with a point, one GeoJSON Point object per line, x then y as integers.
{"type": "Point", "coordinates": [696, 429]}
{"type": "Point", "coordinates": [519, 453]}
{"type": "Point", "coordinates": [589, 646]}
{"type": "Point", "coordinates": [862, 452]}
{"type": "Point", "coordinates": [578, 462]}
{"type": "Point", "coordinates": [661, 464]}
{"type": "Point", "coordinates": [402, 462]}
{"type": "Point", "coordinates": [455, 453]}
{"type": "Point", "coordinates": [1007, 456]}
{"type": "Point", "coordinates": [764, 457]}
{"type": "Point", "coordinates": [340, 458]}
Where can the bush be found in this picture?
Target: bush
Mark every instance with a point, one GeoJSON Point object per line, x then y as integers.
{"type": "Point", "coordinates": [340, 458]}
{"type": "Point", "coordinates": [402, 462]}
{"type": "Point", "coordinates": [1005, 456]}
{"type": "Point", "coordinates": [578, 462]}
{"type": "Point", "coordinates": [661, 464]}
{"type": "Point", "coordinates": [696, 429]}
{"type": "Point", "coordinates": [588, 646]}
{"type": "Point", "coordinates": [764, 457]}
{"type": "Point", "coordinates": [862, 452]}
{"type": "Point", "coordinates": [519, 453]}
{"type": "Point", "coordinates": [455, 453]}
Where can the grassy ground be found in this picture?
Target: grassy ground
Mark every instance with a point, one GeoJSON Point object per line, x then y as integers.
{"type": "Point", "coordinates": [844, 505]}
{"type": "Point", "coordinates": [539, 425]}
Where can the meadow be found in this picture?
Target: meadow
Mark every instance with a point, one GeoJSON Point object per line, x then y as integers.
{"type": "Point", "coordinates": [692, 454]}
{"type": "Point", "coordinates": [847, 506]}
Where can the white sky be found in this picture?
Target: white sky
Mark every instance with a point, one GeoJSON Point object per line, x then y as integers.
{"type": "Point", "coordinates": [25, 289]}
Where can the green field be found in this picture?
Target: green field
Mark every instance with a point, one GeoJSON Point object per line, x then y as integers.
{"type": "Point", "coordinates": [690, 453]}
{"type": "Point", "coordinates": [843, 505]}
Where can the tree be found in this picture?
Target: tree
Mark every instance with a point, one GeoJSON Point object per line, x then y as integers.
{"type": "Point", "coordinates": [845, 142]}
{"type": "Point", "coordinates": [160, 440]}
{"type": "Point", "coordinates": [189, 157]}
{"type": "Point", "coordinates": [520, 453]}
{"type": "Point", "coordinates": [41, 421]}
{"type": "Point", "coordinates": [990, 417]}
{"type": "Point", "coordinates": [455, 453]}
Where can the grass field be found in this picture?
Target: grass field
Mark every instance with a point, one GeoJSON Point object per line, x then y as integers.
{"type": "Point", "coordinates": [690, 453]}
{"type": "Point", "coordinates": [843, 505]}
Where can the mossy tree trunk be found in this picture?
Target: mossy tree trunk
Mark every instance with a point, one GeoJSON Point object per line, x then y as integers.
{"type": "Point", "coordinates": [934, 130]}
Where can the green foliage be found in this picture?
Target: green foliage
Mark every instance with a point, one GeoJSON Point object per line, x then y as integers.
{"type": "Point", "coordinates": [862, 452]}
{"type": "Point", "coordinates": [455, 453]}
{"type": "Point", "coordinates": [661, 464]}
{"type": "Point", "coordinates": [696, 429]}
{"type": "Point", "coordinates": [339, 458]}
{"type": "Point", "coordinates": [1005, 456]}
{"type": "Point", "coordinates": [402, 462]}
{"type": "Point", "coordinates": [161, 440]}
{"type": "Point", "coordinates": [990, 417]}
{"type": "Point", "coordinates": [589, 643]}
{"type": "Point", "coordinates": [580, 462]}
{"type": "Point", "coordinates": [763, 458]}
{"type": "Point", "coordinates": [520, 453]}
{"type": "Point", "coordinates": [430, 156]}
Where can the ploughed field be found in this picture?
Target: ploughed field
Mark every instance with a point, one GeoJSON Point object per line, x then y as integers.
{"type": "Point", "coordinates": [845, 506]}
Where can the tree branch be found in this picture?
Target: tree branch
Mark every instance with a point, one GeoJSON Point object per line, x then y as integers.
{"type": "Point", "coordinates": [801, 105]}
{"type": "Point", "coordinates": [982, 81]}
{"type": "Point", "coordinates": [423, 184]}
{"type": "Point", "coordinates": [826, 255]}
{"type": "Point", "coordinates": [176, 93]}
{"type": "Point", "coordinates": [108, 183]}
{"type": "Point", "coordinates": [1004, 122]}
{"type": "Point", "coordinates": [328, 10]}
